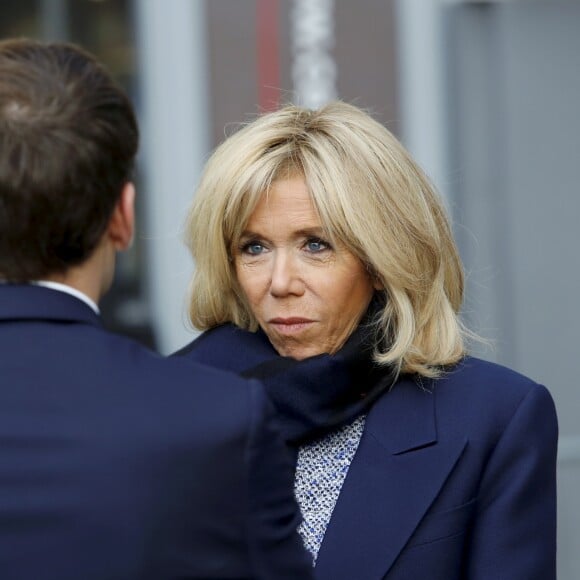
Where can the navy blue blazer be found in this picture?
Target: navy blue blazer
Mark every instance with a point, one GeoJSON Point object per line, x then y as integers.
{"type": "Point", "coordinates": [453, 478]}
{"type": "Point", "coordinates": [118, 464]}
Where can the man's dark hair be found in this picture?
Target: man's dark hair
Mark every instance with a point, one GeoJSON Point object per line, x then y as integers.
{"type": "Point", "coordinates": [68, 140]}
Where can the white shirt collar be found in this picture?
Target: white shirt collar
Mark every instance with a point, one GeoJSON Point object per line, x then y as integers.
{"type": "Point", "coordinates": [69, 290]}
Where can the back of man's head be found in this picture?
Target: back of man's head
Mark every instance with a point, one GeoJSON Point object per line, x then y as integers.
{"type": "Point", "coordinates": [68, 140]}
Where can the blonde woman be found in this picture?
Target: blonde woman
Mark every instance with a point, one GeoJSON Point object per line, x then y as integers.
{"type": "Point", "coordinates": [325, 266]}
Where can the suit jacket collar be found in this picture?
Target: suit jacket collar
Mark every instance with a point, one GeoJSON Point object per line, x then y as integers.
{"type": "Point", "coordinates": [29, 302]}
{"type": "Point", "coordinates": [396, 474]}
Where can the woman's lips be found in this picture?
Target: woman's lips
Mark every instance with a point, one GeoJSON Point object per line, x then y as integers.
{"type": "Point", "coordinates": [291, 325]}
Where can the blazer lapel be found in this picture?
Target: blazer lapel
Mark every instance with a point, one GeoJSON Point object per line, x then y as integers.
{"type": "Point", "coordinates": [395, 475]}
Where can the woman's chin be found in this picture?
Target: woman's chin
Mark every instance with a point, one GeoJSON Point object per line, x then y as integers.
{"type": "Point", "coordinates": [296, 351]}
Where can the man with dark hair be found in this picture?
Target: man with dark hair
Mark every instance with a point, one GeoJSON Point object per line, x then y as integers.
{"type": "Point", "coordinates": [115, 463]}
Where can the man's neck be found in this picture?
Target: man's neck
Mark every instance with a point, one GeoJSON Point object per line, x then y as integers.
{"type": "Point", "coordinates": [93, 277]}
{"type": "Point", "coordinates": [79, 279]}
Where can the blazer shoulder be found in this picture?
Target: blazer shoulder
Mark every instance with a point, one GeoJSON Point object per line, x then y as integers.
{"type": "Point", "coordinates": [490, 392]}
{"type": "Point", "coordinates": [488, 376]}
{"type": "Point", "coordinates": [229, 348]}
{"type": "Point", "coordinates": [178, 378]}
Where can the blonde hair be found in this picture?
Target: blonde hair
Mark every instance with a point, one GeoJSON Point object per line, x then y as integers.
{"type": "Point", "coordinates": [370, 195]}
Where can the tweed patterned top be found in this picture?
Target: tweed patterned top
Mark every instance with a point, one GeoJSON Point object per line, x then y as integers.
{"type": "Point", "coordinates": [320, 472]}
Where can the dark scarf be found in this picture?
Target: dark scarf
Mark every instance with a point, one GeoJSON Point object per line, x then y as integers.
{"type": "Point", "coordinates": [313, 396]}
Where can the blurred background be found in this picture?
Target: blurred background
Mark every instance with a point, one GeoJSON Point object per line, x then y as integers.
{"type": "Point", "coordinates": [485, 94]}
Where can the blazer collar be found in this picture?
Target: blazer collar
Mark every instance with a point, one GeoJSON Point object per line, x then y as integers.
{"type": "Point", "coordinates": [396, 474]}
{"type": "Point", "coordinates": [29, 302]}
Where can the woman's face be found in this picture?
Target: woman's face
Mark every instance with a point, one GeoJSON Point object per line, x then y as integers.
{"type": "Point", "coordinates": [306, 295]}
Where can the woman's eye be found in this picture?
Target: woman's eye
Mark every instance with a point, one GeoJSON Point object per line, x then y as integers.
{"type": "Point", "coordinates": [253, 248]}
{"type": "Point", "coordinates": [316, 245]}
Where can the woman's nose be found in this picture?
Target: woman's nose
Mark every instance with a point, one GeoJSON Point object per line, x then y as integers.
{"type": "Point", "coordinates": [286, 276]}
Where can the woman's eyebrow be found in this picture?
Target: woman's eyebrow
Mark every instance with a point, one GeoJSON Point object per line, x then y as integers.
{"type": "Point", "coordinates": [250, 234]}
{"type": "Point", "coordinates": [313, 231]}
{"type": "Point", "coordinates": [302, 232]}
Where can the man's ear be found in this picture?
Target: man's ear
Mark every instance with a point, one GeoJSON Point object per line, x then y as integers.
{"type": "Point", "coordinates": [122, 224]}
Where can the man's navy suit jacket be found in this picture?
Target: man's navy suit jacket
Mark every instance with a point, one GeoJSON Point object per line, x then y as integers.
{"type": "Point", "coordinates": [453, 479]}
{"type": "Point", "coordinates": [118, 464]}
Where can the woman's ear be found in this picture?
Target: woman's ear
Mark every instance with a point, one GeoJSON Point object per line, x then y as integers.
{"type": "Point", "coordinates": [375, 279]}
{"type": "Point", "coordinates": [122, 224]}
